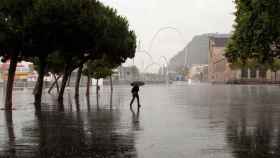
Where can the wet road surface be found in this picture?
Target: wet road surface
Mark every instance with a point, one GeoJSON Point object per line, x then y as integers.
{"type": "Point", "coordinates": [176, 121]}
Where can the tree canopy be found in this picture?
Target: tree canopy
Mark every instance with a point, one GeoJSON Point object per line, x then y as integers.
{"type": "Point", "coordinates": [62, 33]}
{"type": "Point", "coordinates": [257, 32]}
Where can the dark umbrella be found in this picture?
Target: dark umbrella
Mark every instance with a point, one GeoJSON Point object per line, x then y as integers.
{"type": "Point", "coordinates": [137, 83]}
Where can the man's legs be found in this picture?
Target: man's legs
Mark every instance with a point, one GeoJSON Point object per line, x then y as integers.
{"type": "Point", "coordinates": [132, 100]}
{"type": "Point", "coordinates": [138, 101]}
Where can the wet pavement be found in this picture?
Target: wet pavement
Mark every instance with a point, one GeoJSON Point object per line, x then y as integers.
{"type": "Point", "coordinates": [176, 121]}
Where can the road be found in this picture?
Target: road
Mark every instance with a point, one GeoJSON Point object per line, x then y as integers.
{"type": "Point", "coordinates": [175, 121]}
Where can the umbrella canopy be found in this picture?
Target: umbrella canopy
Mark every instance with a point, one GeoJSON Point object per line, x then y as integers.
{"type": "Point", "coordinates": [137, 83]}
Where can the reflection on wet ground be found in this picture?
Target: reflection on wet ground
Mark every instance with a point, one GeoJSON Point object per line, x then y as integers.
{"type": "Point", "coordinates": [64, 134]}
{"type": "Point", "coordinates": [196, 121]}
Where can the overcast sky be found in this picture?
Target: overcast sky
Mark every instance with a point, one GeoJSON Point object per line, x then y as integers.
{"type": "Point", "coordinates": [189, 17]}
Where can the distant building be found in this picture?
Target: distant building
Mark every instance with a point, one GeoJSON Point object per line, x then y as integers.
{"type": "Point", "coordinates": [162, 71]}
{"type": "Point", "coordinates": [130, 73]}
{"type": "Point", "coordinates": [24, 71]}
{"type": "Point", "coordinates": [195, 52]}
{"type": "Point", "coordinates": [199, 72]}
{"type": "Point", "coordinates": [219, 69]}
{"type": "Point", "coordinates": [209, 49]}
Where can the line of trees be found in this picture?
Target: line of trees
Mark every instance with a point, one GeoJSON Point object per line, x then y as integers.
{"type": "Point", "coordinates": [59, 36]}
{"type": "Point", "coordinates": [256, 37]}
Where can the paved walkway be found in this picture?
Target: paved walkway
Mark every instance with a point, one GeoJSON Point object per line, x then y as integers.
{"type": "Point", "coordinates": [177, 121]}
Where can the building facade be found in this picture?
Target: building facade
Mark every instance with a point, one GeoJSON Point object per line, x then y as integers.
{"type": "Point", "coordinates": [219, 69]}
{"type": "Point", "coordinates": [130, 73]}
{"type": "Point", "coordinates": [199, 72]}
{"type": "Point", "coordinates": [24, 71]}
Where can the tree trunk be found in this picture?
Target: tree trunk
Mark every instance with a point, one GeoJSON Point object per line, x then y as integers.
{"type": "Point", "coordinates": [88, 102]}
{"type": "Point", "coordinates": [77, 84]}
{"type": "Point", "coordinates": [35, 88]}
{"type": "Point", "coordinates": [40, 81]}
{"type": "Point", "coordinates": [10, 83]}
{"type": "Point", "coordinates": [275, 77]}
{"type": "Point", "coordinates": [55, 83]}
{"type": "Point", "coordinates": [69, 101]}
{"type": "Point", "coordinates": [88, 86]}
{"type": "Point", "coordinates": [111, 92]}
{"type": "Point", "coordinates": [97, 92]}
{"type": "Point", "coordinates": [63, 85]}
{"type": "Point", "coordinates": [77, 101]}
{"type": "Point", "coordinates": [69, 79]}
{"type": "Point", "coordinates": [52, 85]}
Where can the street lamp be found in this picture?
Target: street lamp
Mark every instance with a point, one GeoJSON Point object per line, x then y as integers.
{"type": "Point", "coordinates": [167, 72]}
{"type": "Point", "coordinates": [186, 58]}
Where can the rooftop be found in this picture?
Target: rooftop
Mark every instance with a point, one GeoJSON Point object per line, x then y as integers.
{"type": "Point", "coordinates": [219, 40]}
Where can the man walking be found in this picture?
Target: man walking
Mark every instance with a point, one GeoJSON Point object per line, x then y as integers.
{"type": "Point", "coordinates": [134, 91]}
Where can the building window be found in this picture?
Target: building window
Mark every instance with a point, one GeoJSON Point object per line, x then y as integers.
{"type": "Point", "coordinates": [253, 73]}
{"type": "Point", "coordinates": [244, 73]}
{"type": "Point", "coordinates": [263, 73]}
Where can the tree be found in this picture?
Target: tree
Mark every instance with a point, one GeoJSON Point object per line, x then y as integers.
{"type": "Point", "coordinates": [55, 64]}
{"type": "Point", "coordinates": [80, 39]}
{"type": "Point", "coordinates": [12, 38]}
{"type": "Point", "coordinates": [96, 69]}
{"type": "Point", "coordinates": [31, 28]}
{"type": "Point", "coordinates": [55, 67]}
{"type": "Point", "coordinates": [77, 83]}
{"type": "Point", "coordinates": [257, 32]}
{"type": "Point", "coordinates": [78, 30]}
{"type": "Point", "coordinates": [43, 23]}
{"type": "Point", "coordinates": [67, 26]}
{"type": "Point", "coordinates": [116, 44]}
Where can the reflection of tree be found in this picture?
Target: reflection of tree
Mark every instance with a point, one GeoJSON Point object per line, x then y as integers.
{"type": "Point", "coordinates": [88, 103]}
{"type": "Point", "coordinates": [11, 134]}
{"type": "Point", "coordinates": [77, 102]}
{"type": "Point", "coordinates": [251, 132]}
{"type": "Point", "coordinates": [60, 135]}
{"type": "Point", "coordinates": [70, 101]}
{"type": "Point", "coordinates": [79, 134]}
{"type": "Point", "coordinates": [109, 137]}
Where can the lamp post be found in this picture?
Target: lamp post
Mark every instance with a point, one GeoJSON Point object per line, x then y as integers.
{"type": "Point", "coordinates": [186, 58]}
{"type": "Point", "coordinates": [167, 72]}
